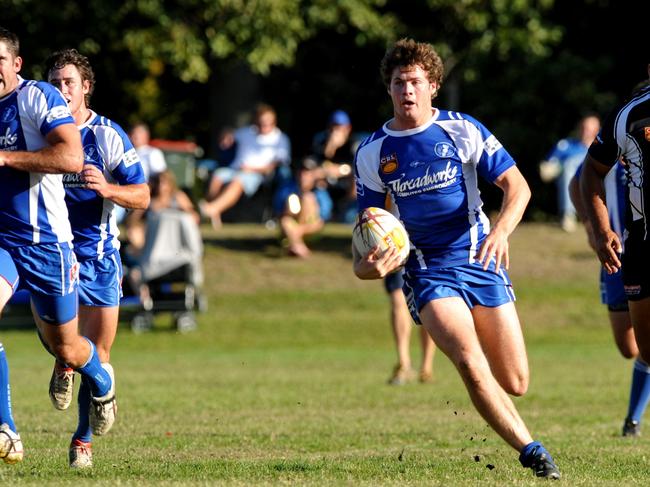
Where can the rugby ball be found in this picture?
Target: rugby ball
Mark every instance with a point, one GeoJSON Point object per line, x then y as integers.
{"type": "Point", "coordinates": [375, 226]}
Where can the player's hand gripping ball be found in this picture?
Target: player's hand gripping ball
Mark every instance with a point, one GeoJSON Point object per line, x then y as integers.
{"type": "Point", "coordinates": [375, 226]}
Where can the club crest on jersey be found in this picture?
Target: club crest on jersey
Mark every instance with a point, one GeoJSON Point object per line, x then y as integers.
{"type": "Point", "coordinates": [646, 133]}
{"type": "Point", "coordinates": [9, 114]}
{"type": "Point", "coordinates": [444, 150]}
{"type": "Point", "coordinates": [91, 153]}
{"type": "Point", "coordinates": [388, 164]}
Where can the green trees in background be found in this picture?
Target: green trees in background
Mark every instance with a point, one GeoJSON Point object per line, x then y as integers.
{"type": "Point", "coordinates": [527, 68]}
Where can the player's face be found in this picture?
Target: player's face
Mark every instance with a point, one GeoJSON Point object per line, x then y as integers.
{"type": "Point", "coordinates": [68, 80]}
{"type": "Point", "coordinates": [9, 67]}
{"type": "Point", "coordinates": [411, 93]}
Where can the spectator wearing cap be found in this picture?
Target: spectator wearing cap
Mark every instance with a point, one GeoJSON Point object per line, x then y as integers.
{"type": "Point", "coordinates": [331, 161]}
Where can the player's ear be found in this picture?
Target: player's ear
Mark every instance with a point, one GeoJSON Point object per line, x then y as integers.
{"type": "Point", "coordinates": [18, 63]}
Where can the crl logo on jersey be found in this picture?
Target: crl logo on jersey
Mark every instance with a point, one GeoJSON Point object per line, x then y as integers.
{"type": "Point", "coordinates": [8, 138]}
{"type": "Point", "coordinates": [9, 114]}
{"type": "Point", "coordinates": [388, 164]}
{"type": "Point", "coordinates": [444, 150]}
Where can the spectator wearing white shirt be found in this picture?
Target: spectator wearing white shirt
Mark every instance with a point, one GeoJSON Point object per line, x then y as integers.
{"type": "Point", "coordinates": [261, 148]}
{"type": "Point", "coordinates": [152, 158]}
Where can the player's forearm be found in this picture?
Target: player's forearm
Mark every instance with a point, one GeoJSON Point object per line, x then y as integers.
{"type": "Point", "coordinates": [51, 159]}
{"type": "Point", "coordinates": [592, 191]}
{"type": "Point", "coordinates": [131, 196]}
{"type": "Point", "coordinates": [576, 199]}
{"type": "Point", "coordinates": [515, 200]}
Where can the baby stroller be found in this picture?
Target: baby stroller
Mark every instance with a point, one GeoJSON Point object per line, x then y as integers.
{"type": "Point", "coordinates": [168, 274]}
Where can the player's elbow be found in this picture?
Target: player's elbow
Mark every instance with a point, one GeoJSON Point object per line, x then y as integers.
{"type": "Point", "coordinates": [74, 162]}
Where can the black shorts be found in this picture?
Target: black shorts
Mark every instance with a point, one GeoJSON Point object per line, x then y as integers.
{"type": "Point", "coordinates": [636, 265]}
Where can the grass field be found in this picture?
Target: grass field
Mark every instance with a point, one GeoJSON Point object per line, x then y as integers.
{"type": "Point", "coordinates": [284, 383]}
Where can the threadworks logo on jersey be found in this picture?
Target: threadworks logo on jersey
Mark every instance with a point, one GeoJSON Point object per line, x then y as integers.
{"type": "Point", "coordinates": [73, 180]}
{"type": "Point", "coordinates": [427, 182]}
{"type": "Point", "coordinates": [8, 139]}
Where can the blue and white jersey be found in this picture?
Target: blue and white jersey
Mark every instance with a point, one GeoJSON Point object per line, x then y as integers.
{"type": "Point", "coordinates": [94, 226]}
{"type": "Point", "coordinates": [32, 205]}
{"type": "Point", "coordinates": [431, 175]}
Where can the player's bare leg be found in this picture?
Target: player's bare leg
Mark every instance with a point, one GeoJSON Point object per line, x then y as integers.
{"type": "Point", "coordinates": [402, 324]}
{"type": "Point", "coordinates": [428, 351]}
{"type": "Point", "coordinates": [640, 315]}
{"type": "Point", "coordinates": [99, 324]}
{"type": "Point", "coordinates": [451, 325]}
{"type": "Point", "coordinates": [502, 341]}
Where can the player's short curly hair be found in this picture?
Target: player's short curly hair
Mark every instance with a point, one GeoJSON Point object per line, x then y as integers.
{"type": "Point", "coordinates": [59, 59]}
{"type": "Point", "coordinates": [407, 52]}
{"type": "Point", "coordinates": [11, 41]}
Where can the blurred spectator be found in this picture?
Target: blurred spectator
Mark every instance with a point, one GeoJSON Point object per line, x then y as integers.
{"type": "Point", "coordinates": [152, 158]}
{"type": "Point", "coordinates": [261, 148]}
{"type": "Point", "coordinates": [561, 164]}
{"type": "Point", "coordinates": [306, 209]}
{"type": "Point", "coordinates": [226, 147]}
{"type": "Point", "coordinates": [331, 162]}
{"type": "Point", "coordinates": [402, 323]}
{"type": "Point", "coordinates": [165, 195]}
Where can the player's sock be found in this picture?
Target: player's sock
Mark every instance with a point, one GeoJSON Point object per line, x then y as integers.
{"type": "Point", "coordinates": [83, 433]}
{"type": "Point", "coordinates": [100, 381]}
{"type": "Point", "coordinates": [640, 390]}
{"type": "Point", "coordinates": [528, 452]}
{"type": "Point", "coordinates": [5, 392]}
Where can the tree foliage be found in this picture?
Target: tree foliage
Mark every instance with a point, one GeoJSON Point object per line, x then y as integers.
{"type": "Point", "coordinates": [528, 68]}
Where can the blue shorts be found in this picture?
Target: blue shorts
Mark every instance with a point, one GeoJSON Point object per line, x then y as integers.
{"type": "Point", "coordinates": [100, 281]}
{"type": "Point", "coordinates": [8, 270]}
{"type": "Point", "coordinates": [612, 291]}
{"type": "Point", "coordinates": [469, 282]}
{"type": "Point", "coordinates": [50, 273]}
{"type": "Point", "coordinates": [250, 181]}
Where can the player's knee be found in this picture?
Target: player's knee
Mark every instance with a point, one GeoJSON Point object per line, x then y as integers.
{"type": "Point", "coordinates": [517, 385]}
{"type": "Point", "coordinates": [628, 352]}
{"type": "Point", "coordinates": [472, 371]}
{"type": "Point", "coordinates": [66, 353]}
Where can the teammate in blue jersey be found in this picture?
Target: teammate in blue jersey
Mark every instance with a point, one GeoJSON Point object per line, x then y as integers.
{"type": "Point", "coordinates": [112, 174]}
{"type": "Point", "coordinates": [39, 141]}
{"type": "Point", "coordinates": [612, 294]}
{"type": "Point", "coordinates": [428, 162]}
